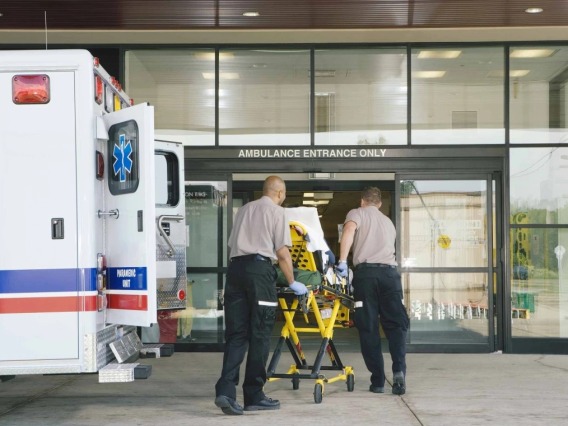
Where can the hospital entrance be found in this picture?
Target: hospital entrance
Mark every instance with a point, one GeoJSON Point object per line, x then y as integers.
{"type": "Point", "coordinates": [446, 244]}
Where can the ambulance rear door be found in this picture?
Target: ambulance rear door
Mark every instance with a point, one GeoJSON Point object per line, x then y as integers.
{"type": "Point", "coordinates": [130, 236]}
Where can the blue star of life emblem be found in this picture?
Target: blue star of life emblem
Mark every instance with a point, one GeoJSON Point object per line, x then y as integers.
{"type": "Point", "coordinates": [122, 161]}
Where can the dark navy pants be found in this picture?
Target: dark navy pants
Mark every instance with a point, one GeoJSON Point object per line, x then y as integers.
{"type": "Point", "coordinates": [250, 312]}
{"type": "Point", "coordinates": [378, 296]}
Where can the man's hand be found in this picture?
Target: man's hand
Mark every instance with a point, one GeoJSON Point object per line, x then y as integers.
{"type": "Point", "coordinates": [341, 269]}
{"type": "Point", "coordinates": [298, 288]}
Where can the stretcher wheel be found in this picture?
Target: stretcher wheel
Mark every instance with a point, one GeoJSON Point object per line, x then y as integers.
{"type": "Point", "coordinates": [295, 383]}
{"type": "Point", "coordinates": [318, 393]}
{"type": "Point", "coordinates": [350, 382]}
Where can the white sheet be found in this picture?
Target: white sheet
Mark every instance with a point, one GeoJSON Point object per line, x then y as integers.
{"type": "Point", "coordinates": [308, 217]}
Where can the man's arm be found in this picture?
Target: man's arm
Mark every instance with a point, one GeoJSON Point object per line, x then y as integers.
{"type": "Point", "coordinates": [285, 263]}
{"type": "Point", "coordinates": [347, 236]}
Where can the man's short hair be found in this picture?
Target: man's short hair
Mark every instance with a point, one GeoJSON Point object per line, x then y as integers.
{"type": "Point", "coordinates": [273, 184]}
{"type": "Point", "coordinates": [371, 195]}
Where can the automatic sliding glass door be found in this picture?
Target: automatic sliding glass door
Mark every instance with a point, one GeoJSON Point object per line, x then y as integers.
{"type": "Point", "coordinates": [445, 247]}
{"type": "Point", "coordinates": [201, 325]}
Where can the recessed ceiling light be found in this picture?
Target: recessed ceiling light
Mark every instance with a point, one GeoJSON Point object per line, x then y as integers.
{"type": "Point", "coordinates": [534, 10]}
{"type": "Point", "coordinates": [518, 73]}
{"type": "Point", "coordinates": [251, 14]}
{"type": "Point", "coordinates": [428, 74]}
{"type": "Point", "coordinates": [315, 203]}
{"type": "Point", "coordinates": [323, 73]}
{"type": "Point", "coordinates": [210, 56]}
{"type": "Point", "coordinates": [439, 54]}
{"type": "Point", "coordinates": [512, 73]}
{"type": "Point", "coordinates": [222, 75]}
{"type": "Point", "coordinates": [532, 53]}
{"type": "Point", "coordinates": [211, 93]}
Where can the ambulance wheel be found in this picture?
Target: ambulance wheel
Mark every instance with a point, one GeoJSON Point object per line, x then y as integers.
{"type": "Point", "coordinates": [295, 383]}
{"type": "Point", "coordinates": [350, 382]}
{"type": "Point", "coordinates": [318, 393]}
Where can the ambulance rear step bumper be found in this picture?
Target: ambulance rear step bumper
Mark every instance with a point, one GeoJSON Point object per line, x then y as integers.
{"type": "Point", "coordinates": [159, 350]}
{"type": "Point", "coordinates": [121, 373]}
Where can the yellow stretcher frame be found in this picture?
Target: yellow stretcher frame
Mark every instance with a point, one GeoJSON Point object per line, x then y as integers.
{"type": "Point", "coordinates": [332, 297]}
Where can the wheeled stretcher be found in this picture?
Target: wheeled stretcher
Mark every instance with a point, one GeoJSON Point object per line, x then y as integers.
{"type": "Point", "coordinates": [325, 307]}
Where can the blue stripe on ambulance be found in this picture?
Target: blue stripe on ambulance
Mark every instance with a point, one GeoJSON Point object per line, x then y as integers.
{"type": "Point", "coordinates": [48, 280]}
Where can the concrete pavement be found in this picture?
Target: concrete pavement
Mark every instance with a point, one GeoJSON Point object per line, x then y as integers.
{"type": "Point", "coordinates": [442, 389]}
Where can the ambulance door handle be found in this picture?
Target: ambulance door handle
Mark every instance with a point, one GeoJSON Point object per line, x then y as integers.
{"type": "Point", "coordinates": [57, 228]}
{"type": "Point", "coordinates": [168, 218]}
{"type": "Point", "coordinates": [111, 213]}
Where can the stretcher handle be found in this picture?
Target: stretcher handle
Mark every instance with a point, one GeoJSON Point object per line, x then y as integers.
{"type": "Point", "coordinates": [303, 302]}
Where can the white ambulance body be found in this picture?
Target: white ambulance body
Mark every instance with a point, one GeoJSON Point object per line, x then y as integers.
{"type": "Point", "coordinates": [82, 250]}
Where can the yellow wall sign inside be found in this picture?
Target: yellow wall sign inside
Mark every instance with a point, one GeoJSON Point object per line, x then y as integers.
{"type": "Point", "coordinates": [444, 241]}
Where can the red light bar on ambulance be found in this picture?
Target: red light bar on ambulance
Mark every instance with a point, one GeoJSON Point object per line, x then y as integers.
{"type": "Point", "coordinates": [30, 89]}
{"type": "Point", "coordinates": [99, 89]}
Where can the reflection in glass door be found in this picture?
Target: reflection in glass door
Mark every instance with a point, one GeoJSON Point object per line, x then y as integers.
{"type": "Point", "coordinates": [201, 324]}
{"type": "Point", "coordinates": [444, 246]}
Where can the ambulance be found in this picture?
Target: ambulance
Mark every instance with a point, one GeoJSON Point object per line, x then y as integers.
{"type": "Point", "coordinates": [92, 216]}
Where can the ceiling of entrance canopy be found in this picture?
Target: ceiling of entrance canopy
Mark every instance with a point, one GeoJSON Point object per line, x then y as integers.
{"type": "Point", "coordinates": [277, 14]}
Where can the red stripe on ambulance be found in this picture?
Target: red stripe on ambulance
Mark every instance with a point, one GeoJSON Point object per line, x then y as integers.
{"type": "Point", "coordinates": [34, 305]}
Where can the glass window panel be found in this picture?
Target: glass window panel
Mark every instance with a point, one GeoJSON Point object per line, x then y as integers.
{"type": "Point", "coordinates": [539, 185]}
{"type": "Point", "coordinates": [458, 95]}
{"type": "Point", "coordinates": [198, 322]}
{"type": "Point", "coordinates": [538, 94]}
{"type": "Point", "coordinates": [539, 286]}
{"type": "Point", "coordinates": [205, 205]}
{"type": "Point", "coordinates": [264, 97]}
{"type": "Point", "coordinates": [443, 224]}
{"type": "Point", "coordinates": [201, 318]}
{"type": "Point", "coordinates": [161, 174]}
{"type": "Point", "coordinates": [167, 179]}
{"type": "Point", "coordinates": [447, 307]}
{"type": "Point", "coordinates": [173, 81]}
{"type": "Point", "coordinates": [360, 97]}
{"type": "Point", "coordinates": [123, 158]}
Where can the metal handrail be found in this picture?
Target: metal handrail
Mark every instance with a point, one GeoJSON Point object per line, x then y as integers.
{"type": "Point", "coordinates": [168, 218]}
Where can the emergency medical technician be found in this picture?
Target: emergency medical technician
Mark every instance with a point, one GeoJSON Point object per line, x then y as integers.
{"type": "Point", "coordinates": [377, 288]}
{"type": "Point", "coordinates": [260, 235]}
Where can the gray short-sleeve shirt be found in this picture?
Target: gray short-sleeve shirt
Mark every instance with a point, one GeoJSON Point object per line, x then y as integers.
{"type": "Point", "coordinates": [260, 227]}
{"type": "Point", "coordinates": [375, 237]}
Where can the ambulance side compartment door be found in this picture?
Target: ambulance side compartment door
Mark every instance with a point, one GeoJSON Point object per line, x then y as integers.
{"type": "Point", "coordinates": [170, 226]}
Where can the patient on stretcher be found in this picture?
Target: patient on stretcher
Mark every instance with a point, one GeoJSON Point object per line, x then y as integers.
{"type": "Point", "coordinates": [311, 256]}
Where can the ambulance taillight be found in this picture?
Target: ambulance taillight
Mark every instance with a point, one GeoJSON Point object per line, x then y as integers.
{"type": "Point", "coordinates": [101, 262]}
{"type": "Point", "coordinates": [100, 166]}
{"type": "Point", "coordinates": [101, 282]}
{"type": "Point", "coordinates": [30, 89]}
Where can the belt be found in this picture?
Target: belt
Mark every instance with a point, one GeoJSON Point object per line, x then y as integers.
{"type": "Point", "coordinates": [251, 258]}
{"type": "Point", "coordinates": [374, 265]}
